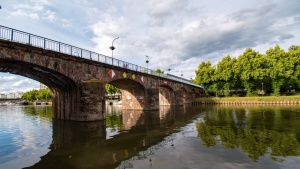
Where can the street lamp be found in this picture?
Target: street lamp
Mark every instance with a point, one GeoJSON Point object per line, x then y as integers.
{"type": "Point", "coordinates": [262, 89]}
{"type": "Point", "coordinates": [170, 67]}
{"type": "Point", "coordinates": [181, 76]}
{"type": "Point", "coordinates": [147, 61]}
{"type": "Point", "coordinates": [112, 50]}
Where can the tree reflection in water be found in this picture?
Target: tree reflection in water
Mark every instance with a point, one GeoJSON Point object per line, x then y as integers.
{"type": "Point", "coordinates": [256, 130]}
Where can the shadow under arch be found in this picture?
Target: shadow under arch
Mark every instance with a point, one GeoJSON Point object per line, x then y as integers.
{"type": "Point", "coordinates": [133, 93]}
{"type": "Point", "coordinates": [65, 91]}
{"type": "Point", "coordinates": [166, 95]}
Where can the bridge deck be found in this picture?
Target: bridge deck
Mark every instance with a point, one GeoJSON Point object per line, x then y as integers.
{"type": "Point", "coordinates": [18, 36]}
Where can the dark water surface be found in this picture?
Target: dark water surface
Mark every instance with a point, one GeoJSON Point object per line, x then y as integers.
{"type": "Point", "coordinates": [183, 137]}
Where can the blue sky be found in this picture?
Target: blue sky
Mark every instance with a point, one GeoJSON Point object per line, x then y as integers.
{"type": "Point", "coordinates": [170, 32]}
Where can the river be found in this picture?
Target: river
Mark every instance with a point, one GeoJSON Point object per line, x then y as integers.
{"type": "Point", "coordinates": [179, 137]}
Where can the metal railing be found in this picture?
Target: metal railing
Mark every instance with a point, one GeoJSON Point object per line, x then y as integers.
{"type": "Point", "coordinates": [14, 35]}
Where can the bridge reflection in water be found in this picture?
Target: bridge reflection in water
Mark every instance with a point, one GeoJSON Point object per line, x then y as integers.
{"type": "Point", "coordinates": [174, 137]}
{"type": "Point", "coordinates": [85, 144]}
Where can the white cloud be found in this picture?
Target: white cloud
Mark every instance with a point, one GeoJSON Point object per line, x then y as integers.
{"type": "Point", "coordinates": [183, 33]}
{"type": "Point", "coordinates": [8, 78]}
{"type": "Point", "coordinates": [50, 16]}
{"type": "Point", "coordinates": [66, 22]}
{"type": "Point", "coordinates": [29, 7]}
{"type": "Point", "coordinates": [25, 14]}
{"type": "Point", "coordinates": [40, 2]}
{"type": "Point", "coordinates": [158, 8]}
{"type": "Point", "coordinates": [22, 83]}
{"type": "Point", "coordinates": [13, 83]}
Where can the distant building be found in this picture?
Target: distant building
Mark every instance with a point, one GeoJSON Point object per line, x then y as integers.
{"type": "Point", "coordinates": [16, 95]}
{"type": "Point", "coordinates": [3, 96]}
{"type": "Point", "coordinates": [10, 95]}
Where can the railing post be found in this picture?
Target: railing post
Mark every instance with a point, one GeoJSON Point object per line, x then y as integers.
{"type": "Point", "coordinates": [44, 43]}
{"type": "Point", "coordinates": [59, 47]}
{"type": "Point", "coordinates": [81, 52]}
{"type": "Point", "coordinates": [29, 39]}
{"type": "Point", "coordinates": [12, 35]}
{"type": "Point", "coordinates": [90, 55]}
{"type": "Point", "coordinates": [71, 50]}
{"type": "Point", "coordinates": [98, 57]}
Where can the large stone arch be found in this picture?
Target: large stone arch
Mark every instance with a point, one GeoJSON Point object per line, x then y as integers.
{"type": "Point", "coordinates": [133, 93]}
{"type": "Point", "coordinates": [64, 89]}
{"type": "Point", "coordinates": [166, 95]}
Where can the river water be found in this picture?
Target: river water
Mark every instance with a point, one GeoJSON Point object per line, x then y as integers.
{"type": "Point", "coordinates": [181, 137]}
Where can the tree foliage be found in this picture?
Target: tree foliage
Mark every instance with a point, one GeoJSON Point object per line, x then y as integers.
{"type": "Point", "coordinates": [159, 71]}
{"type": "Point", "coordinates": [256, 134]}
{"type": "Point", "coordinates": [112, 90]}
{"type": "Point", "coordinates": [252, 73]}
{"type": "Point", "coordinates": [37, 95]}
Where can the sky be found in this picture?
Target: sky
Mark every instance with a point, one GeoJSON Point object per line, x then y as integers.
{"type": "Point", "coordinates": [174, 34]}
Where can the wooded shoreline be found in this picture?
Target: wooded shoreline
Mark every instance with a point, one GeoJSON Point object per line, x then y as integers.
{"type": "Point", "coordinates": [269, 100]}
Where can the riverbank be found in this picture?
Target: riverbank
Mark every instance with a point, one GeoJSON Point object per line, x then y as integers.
{"type": "Point", "coordinates": [249, 100]}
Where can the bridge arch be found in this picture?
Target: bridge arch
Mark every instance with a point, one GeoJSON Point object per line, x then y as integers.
{"type": "Point", "coordinates": [166, 95]}
{"type": "Point", "coordinates": [64, 89]}
{"type": "Point", "coordinates": [133, 93]}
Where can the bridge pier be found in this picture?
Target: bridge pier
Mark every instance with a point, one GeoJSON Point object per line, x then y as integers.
{"type": "Point", "coordinates": [92, 102]}
{"type": "Point", "coordinates": [63, 104]}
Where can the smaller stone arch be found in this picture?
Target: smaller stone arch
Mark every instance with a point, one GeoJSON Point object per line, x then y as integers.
{"type": "Point", "coordinates": [166, 96]}
{"type": "Point", "coordinates": [133, 93]}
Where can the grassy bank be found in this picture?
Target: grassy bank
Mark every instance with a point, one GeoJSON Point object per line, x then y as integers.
{"type": "Point", "coordinates": [253, 99]}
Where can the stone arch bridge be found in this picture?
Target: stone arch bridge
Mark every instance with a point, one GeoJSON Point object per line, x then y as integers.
{"type": "Point", "coordinates": [77, 77]}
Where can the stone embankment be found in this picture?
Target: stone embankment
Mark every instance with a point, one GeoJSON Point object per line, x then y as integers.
{"type": "Point", "coordinates": [247, 102]}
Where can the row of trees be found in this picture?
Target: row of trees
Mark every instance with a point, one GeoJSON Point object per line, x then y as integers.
{"type": "Point", "coordinates": [43, 95]}
{"type": "Point", "coordinates": [272, 73]}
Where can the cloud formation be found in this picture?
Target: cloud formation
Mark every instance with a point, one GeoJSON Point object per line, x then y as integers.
{"type": "Point", "coordinates": [170, 32]}
{"type": "Point", "coordinates": [12, 83]}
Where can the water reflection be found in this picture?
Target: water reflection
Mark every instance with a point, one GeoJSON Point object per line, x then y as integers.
{"type": "Point", "coordinates": [256, 130]}
{"type": "Point", "coordinates": [173, 137]}
{"type": "Point", "coordinates": [25, 135]}
{"type": "Point", "coordinates": [85, 144]}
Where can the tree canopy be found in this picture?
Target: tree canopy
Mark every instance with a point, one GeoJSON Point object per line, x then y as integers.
{"type": "Point", "coordinates": [252, 73]}
{"type": "Point", "coordinates": [38, 95]}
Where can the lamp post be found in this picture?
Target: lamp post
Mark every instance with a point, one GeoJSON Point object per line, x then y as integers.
{"type": "Point", "coordinates": [262, 89]}
{"type": "Point", "coordinates": [170, 67]}
{"type": "Point", "coordinates": [112, 50]}
{"type": "Point", "coordinates": [181, 76]}
{"type": "Point", "coordinates": [147, 61]}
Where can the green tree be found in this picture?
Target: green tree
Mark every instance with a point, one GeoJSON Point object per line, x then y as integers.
{"type": "Point", "coordinates": [205, 76]}
{"type": "Point", "coordinates": [294, 57]}
{"type": "Point", "coordinates": [280, 68]}
{"type": "Point", "coordinates": [34, 95]}
{"type": "Point", "coordinates": [30, 95]}
{"type": "Point", "coordinates": [44, 95]}
{"type": "Point", "coordinates": [112, 90]}
{"type": "Point", "coordinates": [224, 74]}
{"type": "Point", "coordinates": [249, 66]}
{"type": "Point", "coordinates": [159, 71]}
